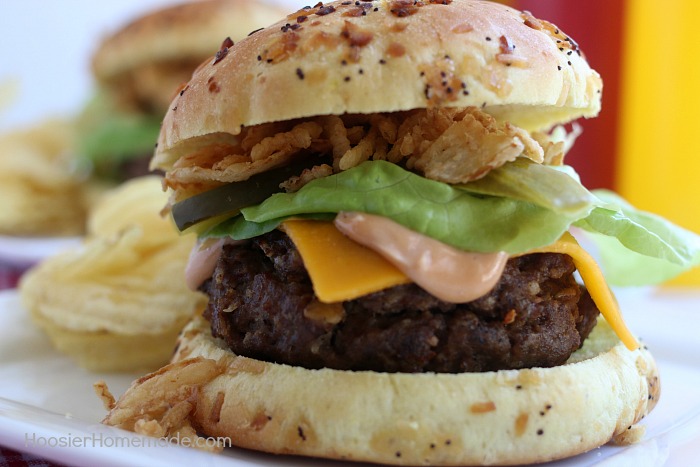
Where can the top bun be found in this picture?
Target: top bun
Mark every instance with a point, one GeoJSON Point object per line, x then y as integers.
{"type": "Point", "coordinates": [168, 44]}
{"type": "Point", "coordinates": [382, 56]}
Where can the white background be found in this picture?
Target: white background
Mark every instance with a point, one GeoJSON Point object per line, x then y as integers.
{"type": "Point", "coordinates": [45, 49]}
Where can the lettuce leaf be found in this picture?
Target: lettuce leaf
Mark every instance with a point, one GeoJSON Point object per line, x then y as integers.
{"type": "Point", "coordinates": [555, 188]}
{"type": "Point", "coordinates": [465, 220]}
{"type": "Point", "coordinates": [119, 138]}
{"type": "Point", "coordinates": [637, 247]}
{"type": "Point", "coordinates": [109, 136]}
{"type": "Point", "coordinates": [239, 228]}
{"type": "Point", "coordinates": [516, 208]}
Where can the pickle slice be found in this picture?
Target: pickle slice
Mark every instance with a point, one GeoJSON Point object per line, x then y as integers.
{"type": "Point", "coordinates": [230, 199]}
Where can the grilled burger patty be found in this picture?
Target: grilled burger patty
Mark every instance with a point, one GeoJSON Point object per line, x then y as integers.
{"type": "Point", "coordinates": [263, 305]}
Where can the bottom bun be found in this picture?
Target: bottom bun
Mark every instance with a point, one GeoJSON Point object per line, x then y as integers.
{"type": "Point", "coordinates": [504, 417]}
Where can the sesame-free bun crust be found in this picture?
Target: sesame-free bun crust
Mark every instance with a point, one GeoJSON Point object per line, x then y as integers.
{"type": "Point", "coordinates": [505, 417]}
{"type": "Point", "coordinates": [463, 53]}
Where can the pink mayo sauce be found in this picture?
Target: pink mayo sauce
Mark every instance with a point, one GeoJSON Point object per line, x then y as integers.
{"type": "Point", "coordinates": [202, 262]}
{"type": "Point", "coordinates": [446, 272]}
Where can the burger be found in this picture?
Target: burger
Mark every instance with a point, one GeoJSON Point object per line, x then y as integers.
{"type": "Point", "coordinates": [137, 69]}
{"type": "Point", "coordinates": [386, 239]}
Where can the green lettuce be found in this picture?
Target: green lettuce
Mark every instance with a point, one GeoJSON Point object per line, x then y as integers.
{"type": "Point", "coordinates": [119, 138]}
{"type": "Point", "coordinates": [468, 221]}
{"type": "Point", "coordinates": [516, 208]}
{"type": "Point", "coordinates": [108, 136]}
{"type": "Point", "coordinates": [637, 247]}
{"type": "Point", "coordinates": [554, 188]}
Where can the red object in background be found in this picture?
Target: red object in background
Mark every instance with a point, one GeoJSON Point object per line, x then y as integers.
{"type": "Point", "coordinates": [11, 458]}
{"type": "Point", "coordinates": [597, 26]}
{"type": "Point", "coordinates": [9, 276]}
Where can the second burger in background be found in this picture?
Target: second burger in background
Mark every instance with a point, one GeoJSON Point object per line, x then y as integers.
{"type": "Point", "coordinates": [140, 67]}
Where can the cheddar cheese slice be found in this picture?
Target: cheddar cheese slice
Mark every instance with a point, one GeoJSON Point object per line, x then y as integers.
{"type": "Point", "coordinates": [341, 269]}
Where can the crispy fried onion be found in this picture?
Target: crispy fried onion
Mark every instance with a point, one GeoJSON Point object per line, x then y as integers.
{"type": "Point", "coordinates": [557, 142]}
{"type": "Point", "coordinates": [161, 404]}
{"type": "Point", "coordinates": [448, 145]}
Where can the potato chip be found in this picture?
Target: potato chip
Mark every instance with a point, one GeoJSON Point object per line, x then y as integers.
{"type": "Point", "coordinates": [41, 189]}
{"type": "Point", "coordinates": [118, 301]}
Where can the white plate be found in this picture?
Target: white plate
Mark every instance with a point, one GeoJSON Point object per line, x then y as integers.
{"type": "Point", "coordinates": [46, 398]}
{"type": "Point", "coordinates": [26, 251]}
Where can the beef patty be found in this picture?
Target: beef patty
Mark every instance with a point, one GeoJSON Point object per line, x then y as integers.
{"type": "Point", "coordinates": [263, 305]}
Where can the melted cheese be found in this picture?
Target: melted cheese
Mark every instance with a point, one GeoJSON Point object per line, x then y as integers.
{"type": "Point", "coordinates": [595, 282]}
{"type": "Point", "coordinates": [341, 269]}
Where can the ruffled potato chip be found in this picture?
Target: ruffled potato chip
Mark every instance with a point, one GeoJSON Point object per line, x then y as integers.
{"type": "Point", "coordinates": [118, 302]}
{"type": "Point", "coordinates": [41, 192]}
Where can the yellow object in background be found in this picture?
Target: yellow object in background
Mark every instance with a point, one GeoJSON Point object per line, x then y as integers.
{"type": "Point", "coordinates": [659, 165]}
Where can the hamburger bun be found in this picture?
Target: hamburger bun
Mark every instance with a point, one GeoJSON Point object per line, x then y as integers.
{"type": "Point", "coordinates": [496, 418]}
{"type": "Point", "coordinates": [385, 62]}
{"type": "Point", "coordinates": [155, 53]}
